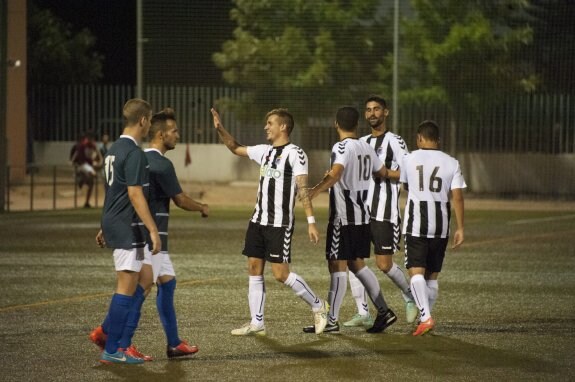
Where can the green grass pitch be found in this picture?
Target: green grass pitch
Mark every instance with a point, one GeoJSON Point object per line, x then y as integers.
{"type": "Point", "coordinates": [506, 306]}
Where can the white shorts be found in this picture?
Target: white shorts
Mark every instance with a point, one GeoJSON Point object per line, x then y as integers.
{"type": "Point", "coordinates": [129, 259]}
{"type": "Point", "coordinates": [87, 169]}
{"type": "Point", "coordinates": [161, 264]}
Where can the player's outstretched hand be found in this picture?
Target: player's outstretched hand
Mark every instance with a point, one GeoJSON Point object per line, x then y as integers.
{"type": "Point", "coordinates": [217, 119]}
{"type": "Point", "coordinates": [100, 239]}
{"type": "Point", "coordinates": [457, 239]}
{"type": "Point", "coordinates": [313, 233]}
{"type": "Point", "coordinates": [205, 211]}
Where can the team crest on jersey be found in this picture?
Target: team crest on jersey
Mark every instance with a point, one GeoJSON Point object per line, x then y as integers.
{"type": "Point", "coordinates": [379, 151]}
{"type": "Point", "coordinates": [277, 160]}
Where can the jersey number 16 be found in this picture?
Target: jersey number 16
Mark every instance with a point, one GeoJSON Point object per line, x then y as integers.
{"type": "Point", "coordinates": [435, 182]}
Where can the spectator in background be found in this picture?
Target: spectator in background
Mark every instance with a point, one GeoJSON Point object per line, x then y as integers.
{"type": "Point", "coordinates": [84, 155]}
{"type": "Point", "coordinates": [103, 145]}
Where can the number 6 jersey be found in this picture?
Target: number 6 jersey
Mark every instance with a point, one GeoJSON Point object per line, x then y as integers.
{"type": "Point", "coordinates": [430, 175]}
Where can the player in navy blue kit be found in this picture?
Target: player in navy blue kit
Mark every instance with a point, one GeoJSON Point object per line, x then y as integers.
{"type": "Point", "coordinates": [164, 187]}
{"type": "Point", "coordinates": [283, 176]}
{"type": "Point", "coordinates": [125, 218]}
{"type": "Point", "coordinates": [430, 176]}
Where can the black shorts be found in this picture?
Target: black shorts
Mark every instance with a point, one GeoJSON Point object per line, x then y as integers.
{"type": "Point", "coordinates": [423, 252]}
{"type": "Point", "coordinates": [348, 242]}
{"type": "Point", "coordinates": [385, 237]}
{"type": "Point", "coordinates": [272, 244]}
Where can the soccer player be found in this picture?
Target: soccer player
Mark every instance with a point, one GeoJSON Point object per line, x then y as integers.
{"type": "Point", "coordinates": [283, 174]}
{"type": "Point", "coordinates": [353, 163]}
{"type": "Point", "coordinates": [124, 216]}
{"type": "Point", "coordinates": [164, 186]}
{"type": "Point", "coordinates": [383, 204]}
{"type": "Point", "coordinates": [430, 176]}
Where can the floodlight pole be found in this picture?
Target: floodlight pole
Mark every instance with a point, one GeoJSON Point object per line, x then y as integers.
{"type": "Point", "coordinates": [395, 113]}
{"type": "Point", "coordinates": [139, 50]}
{"type": "Point", "coordinates": [3, 80]}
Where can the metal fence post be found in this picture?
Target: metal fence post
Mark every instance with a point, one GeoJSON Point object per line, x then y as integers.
{"type": "Point", "coordinates": [54, 188]}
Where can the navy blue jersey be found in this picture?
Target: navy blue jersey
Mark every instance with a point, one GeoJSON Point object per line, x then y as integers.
{"type": "Point", "coordinates": [164, 186]}
{"type": "Point", "coordinates": [125, 165]}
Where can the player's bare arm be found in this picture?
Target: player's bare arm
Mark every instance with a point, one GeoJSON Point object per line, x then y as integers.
{"type": "Point", "coordinates": [301, 182]}
{"type": "Point", "coordinates": [140, 204]}
{"type": "Point", "coordinates": [458, 207]}
{"type": "Point", "coordinates": [186, 203]}
{"type": "Point", "coordinates": [226, 137]}
{"type": "Point", "coordinates": [330, 178]}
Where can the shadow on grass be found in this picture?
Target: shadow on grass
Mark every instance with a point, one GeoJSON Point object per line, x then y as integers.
{"type": "Point", "coordinates": [173, 371]}
{"type": "Point", "coordinates": [351, 356]}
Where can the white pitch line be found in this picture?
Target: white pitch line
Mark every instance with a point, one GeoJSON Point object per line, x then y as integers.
{"type": "Point", "coordinates": [542, 220]}
{"type": "Point", "coordinates": [89, 297]}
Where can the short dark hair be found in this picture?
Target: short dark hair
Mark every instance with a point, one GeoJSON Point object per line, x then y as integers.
{"type": "Point", "coordinates": [285, 117]}
{"type": "Point", "coordinates": [376, 98]}
{"type": "Point", "coordinates": [134, 110]}
{"type": "Point", "coordinates": [429, 130]}
{"type": "Point", "coordinates": [158, 122]}
{"type": "Point", "coordinates": [347, 118]}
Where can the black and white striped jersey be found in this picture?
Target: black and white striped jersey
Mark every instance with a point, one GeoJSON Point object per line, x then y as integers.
{"type": "Point", "coordinates": [348, 197]}
{"type": "Point", "coordinates": [279, 166]}
{"type": "Point", "coordinates": [383, 196]}
{"type": "Point", "coordinates": [430, 176]}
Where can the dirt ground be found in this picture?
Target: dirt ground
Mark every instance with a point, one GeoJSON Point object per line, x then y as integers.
{"type": "Point", "coordinates": [45, 197]}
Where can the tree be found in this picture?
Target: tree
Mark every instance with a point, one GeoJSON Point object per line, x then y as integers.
{"type": "Point", "coordinates": [308, 55]}
{"type": "Point", "coordinates": [57, 55]}
{"type": "Point", "coordinates": [553, 52]}
{"type": "Point", "coordinates": [465, 55]}
{"type": "Point", "coordinates": [467, 49]}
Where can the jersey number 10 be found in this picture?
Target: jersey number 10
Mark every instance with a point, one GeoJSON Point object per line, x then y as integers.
{"type": "Point", "coordinates": [364, 167]}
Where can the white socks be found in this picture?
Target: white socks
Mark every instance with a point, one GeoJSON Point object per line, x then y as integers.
{"type": "Point", "coordinates": [299, 286]}
{"type": "Point", "coordinates": [337, 288]}
{"type": "Point", "coordinates": [432, 291]}
{"type": "Point", "coordinates": [359, 294]}
{"type": "Point", "coordinates": [371, 284]}
{"type": "Point", "coordinates": [419, 290]}
{"type": "Point", "coordinates": [398, 278]}
{"type": "Point", "coordinates": [257, 299]}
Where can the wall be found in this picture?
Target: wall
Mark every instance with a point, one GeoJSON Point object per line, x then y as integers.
{"type": "Point", "coordinates": [500, 174]}
{"type": "Point", "coordinates": [16, 109]}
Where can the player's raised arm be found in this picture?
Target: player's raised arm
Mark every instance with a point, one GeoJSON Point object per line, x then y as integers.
{"type": "Point", "coordinates": [301, 181]}
{"type": "Point", "coordinates": [226, 137]}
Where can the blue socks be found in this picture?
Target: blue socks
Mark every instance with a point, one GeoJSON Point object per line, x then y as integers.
{"type": "Point", "coordinates": [117, 315]}
{"type": "Point", "coordinates": [165, 305]}
{"type": "Point", "coordinates": [133, 318]}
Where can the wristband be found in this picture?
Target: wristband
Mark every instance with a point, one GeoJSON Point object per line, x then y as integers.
{"type": "Point", "coordinates": [310, 220]}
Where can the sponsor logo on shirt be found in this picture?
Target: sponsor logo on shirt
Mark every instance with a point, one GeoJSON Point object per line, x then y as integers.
{"type": "Point", "coordinates": [268, 172]}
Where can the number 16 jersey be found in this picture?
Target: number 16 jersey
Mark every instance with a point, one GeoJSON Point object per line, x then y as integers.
{"type": "Point", "coordinates": [430, 175]}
